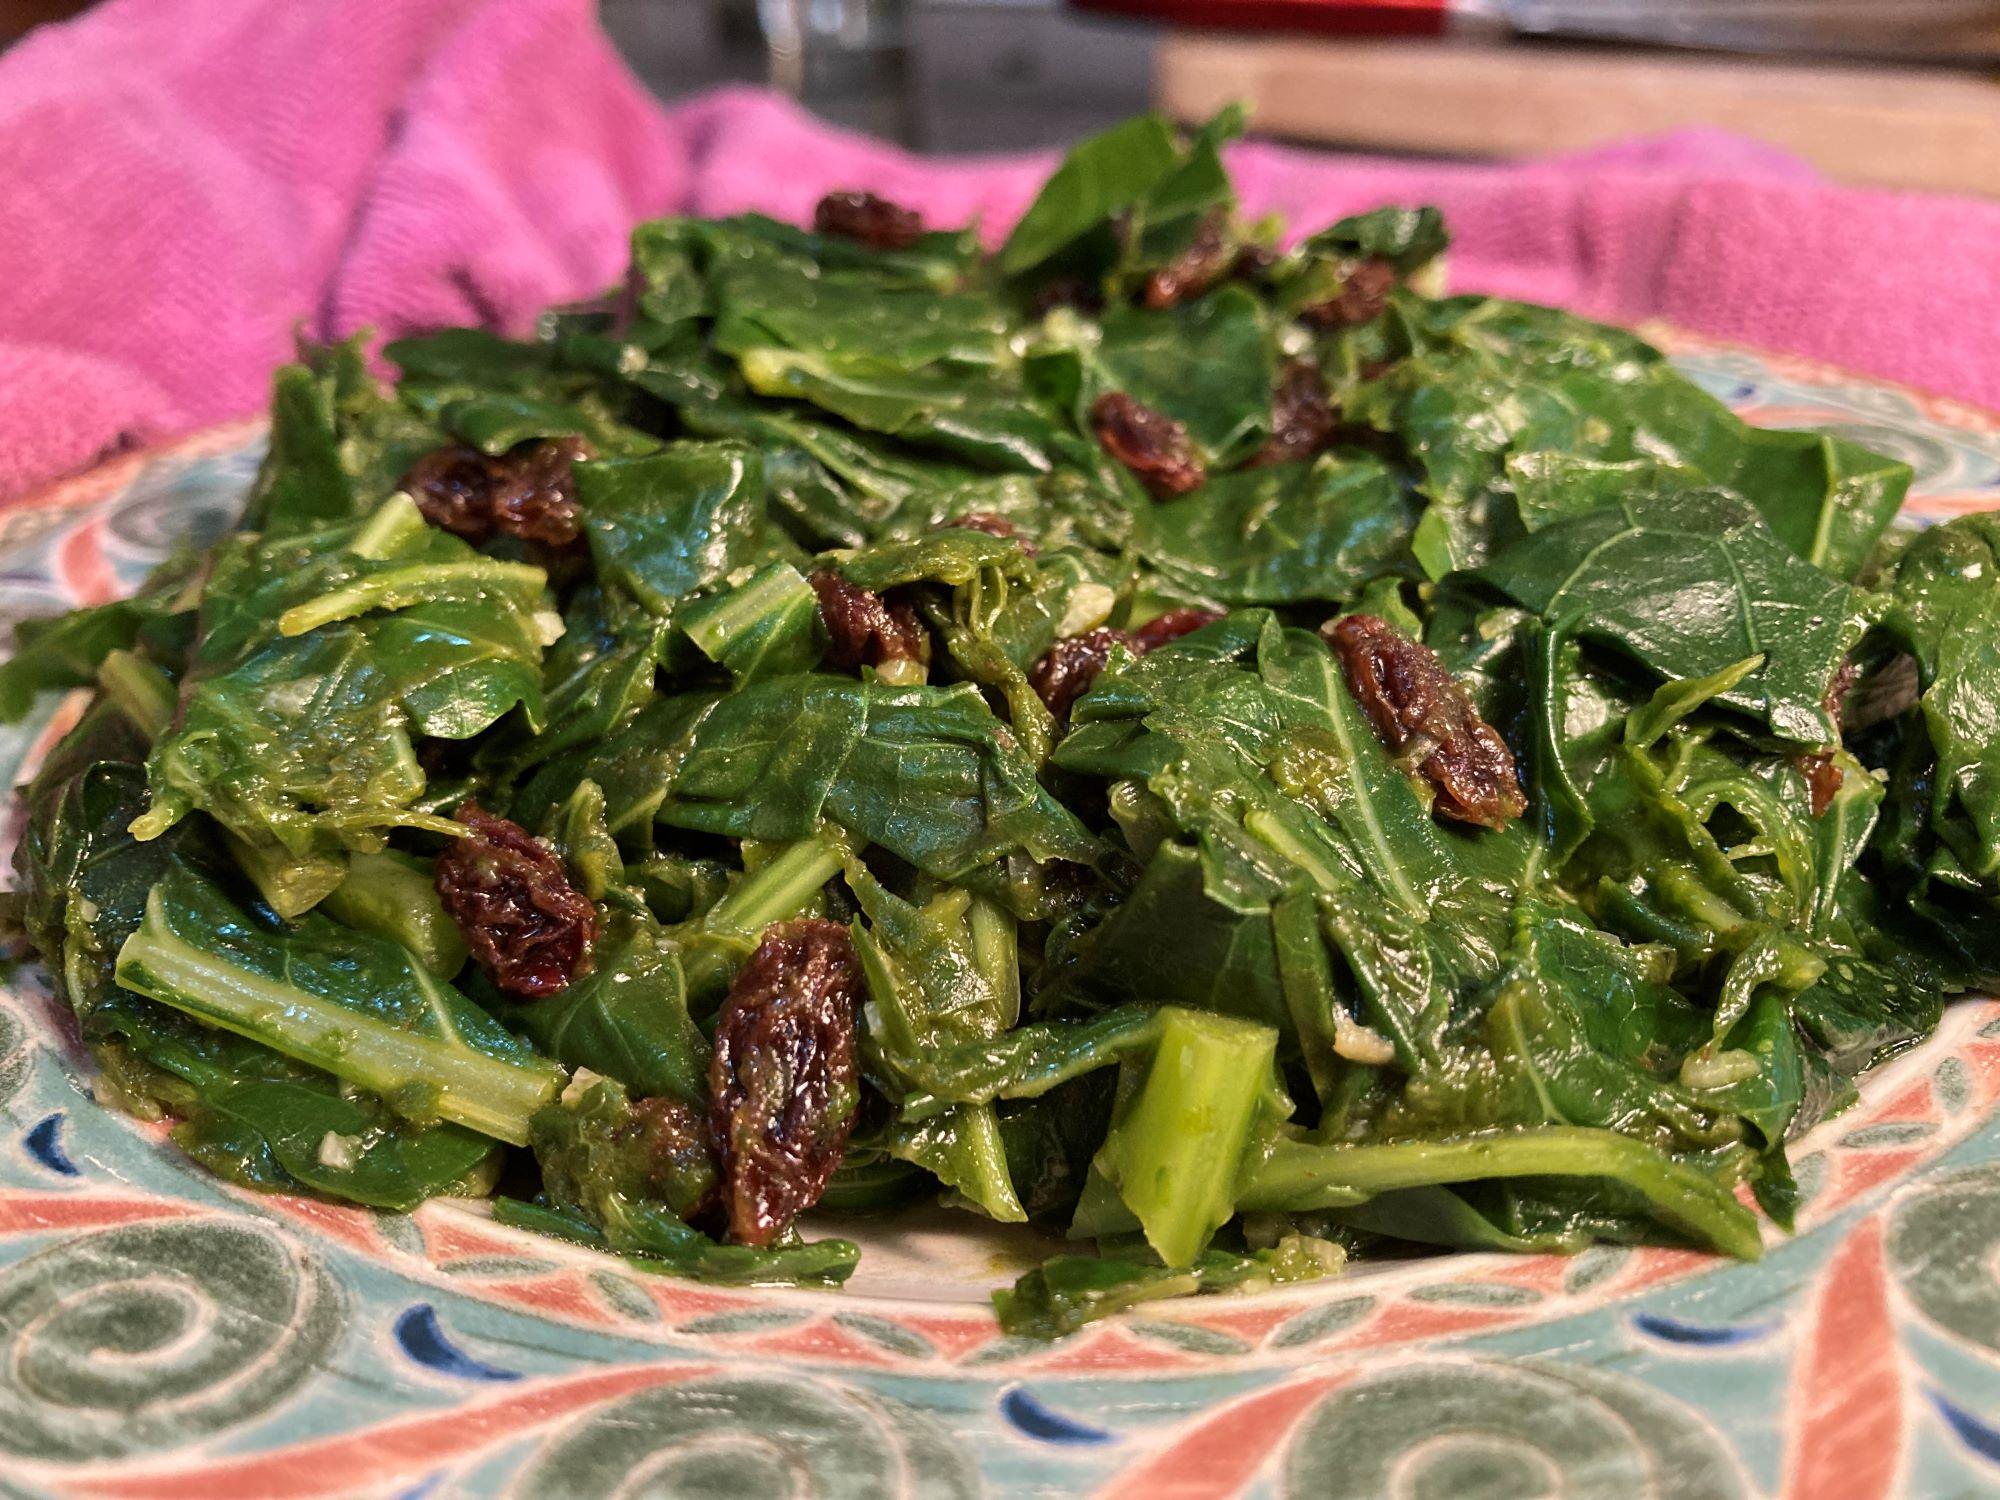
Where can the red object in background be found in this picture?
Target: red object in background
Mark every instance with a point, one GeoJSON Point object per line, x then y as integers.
{"type": "Point", "coordinates": [1327, 17]}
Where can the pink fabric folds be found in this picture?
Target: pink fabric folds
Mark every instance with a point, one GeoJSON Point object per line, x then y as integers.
{"type": "Point", "coordinates": [185, 182]}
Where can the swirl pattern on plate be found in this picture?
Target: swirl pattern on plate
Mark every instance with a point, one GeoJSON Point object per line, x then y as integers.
{"type": "Point", "coordinates": [154, 1336]}
{"type": "Point", "coordinates": [13, 1053]}
{"type": "Point", "coordinates": [750, 1437]}
{"type": "Point", "coordinates": [1480, 1431]}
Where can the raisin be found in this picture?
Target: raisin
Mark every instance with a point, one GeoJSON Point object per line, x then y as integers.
{"type": "Point", "coordinates": [871, 220]}
{"type": "Point", "coordinates": [1823, 778]}
{"type": "Point", "coordinates": [1170, 626]}
{"type": "Point", "coordinates": [453, 488]}
{"type": "Point", "coordinates": [783, 1084]}
{"type": "Point", "coordinates": [677, 1150]}
{"type": "Point", "coordinates": [527, 926]}
{"type": "Point", "coordinates": [528, 493]}
{"type": "Point", "coordinates": [536, 501]}
{"type": "Point", "coordinates": [1207, 259]}
{"type": "Point", "coordinates": [867, 630]}
{"type": "Point", "coordinates": [1254, 262]}
{"type": "Point", "coordinates": [1068, 668]}
{"type": "Point", "coordinates": [1361, 297]}
{"type": "Point", "coordinates": [1425, 715]}
{"type": "Point", "coordinates": [1150, 443]}
{"type": "Point", "coordinates": [1065, 291]}
{"type": "Point", "coordinates": [992, 525]}
{"type": "Point", "coordinates": [1303, 421]}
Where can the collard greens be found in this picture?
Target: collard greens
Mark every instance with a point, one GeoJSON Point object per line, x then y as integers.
{"type": "Point", "coordinates": [1163, 941]}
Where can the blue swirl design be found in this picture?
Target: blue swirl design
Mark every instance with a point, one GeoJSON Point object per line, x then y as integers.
{"type": "Point", "coordinates": [1700, 1335]}
{"type": "Point", "coordinates": [743, 1435]}
{"type": "Point", "coordinates": [423, 1338]}
{"type": "Point", "coordinates": [1033, 1417]}
{"type": "Point", "coordinates": [151, 1338]}
{"type": "Point", "coordinates": [44, 1143]}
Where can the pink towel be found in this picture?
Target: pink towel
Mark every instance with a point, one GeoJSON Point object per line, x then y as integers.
{"type": "Point", "coordinates": [185, 182]}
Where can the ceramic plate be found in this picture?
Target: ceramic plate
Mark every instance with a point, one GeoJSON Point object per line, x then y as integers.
{"type": "Point", "coordinates": [164, 1335]}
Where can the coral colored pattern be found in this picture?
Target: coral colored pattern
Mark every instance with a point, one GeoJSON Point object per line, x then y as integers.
{"type": "Point", "coordinates": [164, 1335]}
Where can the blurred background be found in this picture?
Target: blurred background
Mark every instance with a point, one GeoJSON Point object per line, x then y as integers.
{"type": "Point", "coordinates": [1887, 92]}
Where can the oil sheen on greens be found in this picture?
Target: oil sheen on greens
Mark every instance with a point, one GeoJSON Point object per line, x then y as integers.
{"type": "Point", "coordinates": [1195, 978]}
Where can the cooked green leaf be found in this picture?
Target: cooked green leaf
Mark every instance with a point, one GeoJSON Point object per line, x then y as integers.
{"type": "Point", "coordinates": [356, 1005]}
{"type": "Point", "coordinates": [1689, 585]}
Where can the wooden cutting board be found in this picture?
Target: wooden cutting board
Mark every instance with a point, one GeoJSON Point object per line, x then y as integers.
{"type": "Point", "coordinates": [1899, 125]}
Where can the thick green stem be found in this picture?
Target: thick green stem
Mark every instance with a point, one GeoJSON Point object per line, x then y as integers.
{"type": "Point", "coordinates": [393, 894]}
{"type": "Point", "coordinates": [399, 588]}
{"type": "Point", "coordinates": [290, 886]}
{"type": "Point", "coordinates": [997, 952]}
{"type": "Point", "coordinates": [395, 524]}
{"type": "Point", "coordinates": [766, 625]}
{"type": "Point", "coordinates": [1299, 1176]}
{"type": "Point", "coordinates": [421, 1076]}
{"type": "Point", "coordinates": [1179, 1142]}
{"type": "Point", "coordinates": [141, 691]}
{"type": "Point", "coordinates": [781, 887]}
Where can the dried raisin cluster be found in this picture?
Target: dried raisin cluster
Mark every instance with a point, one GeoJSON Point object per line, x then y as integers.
{"type": "Point", "coordinates": [783, 1085]}
{"type": "Point", "coordinates": [1424, 714]}
{"type": "Point", "coordinates": [527, 926]}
